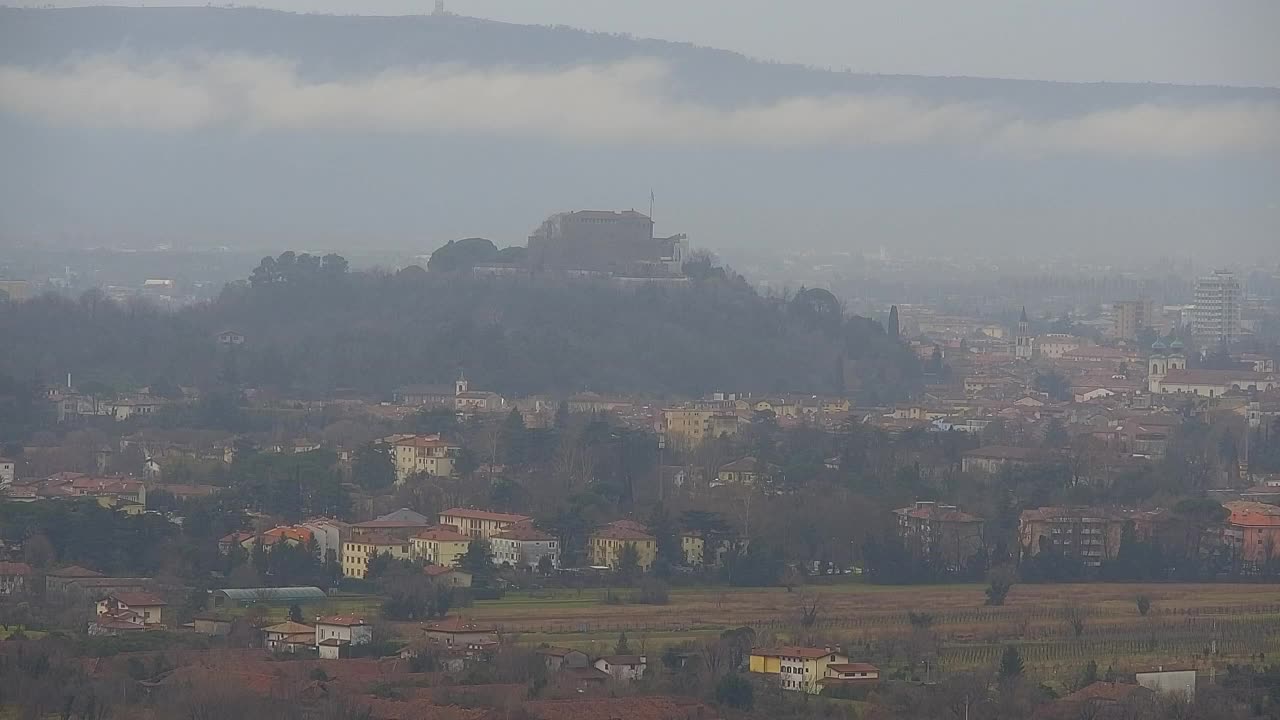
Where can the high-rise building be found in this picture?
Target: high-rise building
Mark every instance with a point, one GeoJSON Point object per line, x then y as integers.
{"type": "Point", "coordinates": [1215, 320]}
{"type": "Point", "coordinates": [1130, 317]}
{"type": "Point", "coordinates": [1024, 345]}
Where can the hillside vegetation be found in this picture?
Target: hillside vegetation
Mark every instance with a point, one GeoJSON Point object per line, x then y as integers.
{"type": "Point", "coordinates": [314, 330]}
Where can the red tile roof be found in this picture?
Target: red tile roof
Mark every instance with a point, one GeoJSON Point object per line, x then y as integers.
{"type": "Point", "coordinates": [808, 653]}
{"type": "Point", "coordinates": [853, 667]}
{"type": "Point", "coordinates": [438, 570]}
{"type": "Point", "coordinates": [341, 620]}
{"type": "Point", "coordinates": [621, 533]}
{"type": "Point", "coordinates": [525, 532]}
{"type": "Point", "coordinates": [484, 515]}
{"type": "Point", "coordinates": [138, 599]}
{"type": "Point", "coordinates": [442, 534]}
{"type": "Point", "coordinates": [74, 571]}
{"type": "Point", "coordinates": [14, 568]}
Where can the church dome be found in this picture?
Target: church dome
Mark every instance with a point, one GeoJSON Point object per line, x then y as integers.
{"type": "Point", "coordinates": [1159, 346]}
{"type": "Point", "coordinates": [1176, 345]}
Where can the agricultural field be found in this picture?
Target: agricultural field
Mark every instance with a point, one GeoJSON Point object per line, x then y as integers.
{"type": "Point", "coordinates": [1059, 628]}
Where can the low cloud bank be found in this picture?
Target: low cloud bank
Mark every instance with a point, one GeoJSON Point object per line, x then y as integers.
{"type": "Point", "coordinates": [626, 102]}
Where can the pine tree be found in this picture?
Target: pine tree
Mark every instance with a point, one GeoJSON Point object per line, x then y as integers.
{"type": "Point", "coordinates": [1010, 663]}
{"type": "Point", "coordinates": [894, 329]}
{"type": "Point", "coordinates": [621, 647]}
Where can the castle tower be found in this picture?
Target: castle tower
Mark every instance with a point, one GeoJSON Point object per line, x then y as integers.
{"type": "Point", "coordinates": [1023, 348]}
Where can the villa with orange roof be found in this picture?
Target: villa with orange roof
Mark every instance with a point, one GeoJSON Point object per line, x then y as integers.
{"type": "Point", "coordinates": [1253, 530]}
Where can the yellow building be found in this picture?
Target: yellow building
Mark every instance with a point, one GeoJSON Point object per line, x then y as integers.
{"type": "Point", "coordinates": [481, 523]}
{"type": "Point", "coordinates": [428, 454]}
{"type": "Point", "coordinates": [606, 546]}
{"type": "Point", "coordinates": [357, 552]}
{"type": "Point", "coordinates": [797, 668]}
{"type": "Point", "coordinates": [440, 546]}
{"type": "Point", "coordinates": [689, 427]}
{"type": "Point", "coordinates": [692, 549]}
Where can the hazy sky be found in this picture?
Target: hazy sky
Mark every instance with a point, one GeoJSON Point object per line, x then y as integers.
{"type": "Point", "coordinates": [1230, 42]}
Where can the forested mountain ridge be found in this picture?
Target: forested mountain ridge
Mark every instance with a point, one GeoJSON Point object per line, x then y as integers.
{"type": "Point", "coordinates": [312, 333]}
{"type": "Point", "coordinates": [328, 46]}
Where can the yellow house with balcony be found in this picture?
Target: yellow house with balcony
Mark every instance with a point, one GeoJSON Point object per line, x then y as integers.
{"type": "Point", "coordinates": [440, 546]}
{"type": "Point", "coordinates": [801, 669]}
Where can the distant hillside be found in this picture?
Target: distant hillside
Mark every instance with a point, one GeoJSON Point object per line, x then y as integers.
{"type": "Point", "coordinates": [333, 46]}
{"type": "Point", "coordinates": [373, 332]}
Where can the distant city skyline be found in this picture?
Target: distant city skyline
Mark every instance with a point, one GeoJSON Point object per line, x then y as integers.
{"type": "Point", "coordinates": [1163, 41]}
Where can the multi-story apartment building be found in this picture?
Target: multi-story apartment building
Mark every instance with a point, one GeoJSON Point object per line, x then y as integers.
{"type": "Point", "coordinates": [941, 532]}
{"type": "Point", "coordinates": [357, 552]}
{"type": "Point", "coordinates": [423, 454]}
{"type": "Point", "coordinates": [1215, 319]}
{"type": "Point", "coordinates": [1130, 317]}
{"type": "Point", "coordinates": [481, 523]}
{"type": "Point", "coordinates": [606, 545]}
{"type": "Point", "coordinates": [440, 546]}
{"type": "Point", "coordinates": [524, 546]}
{"type": "Point", "coordinates": [690, 426]}
{"type": "Point", "coordinates": [1088, 534]}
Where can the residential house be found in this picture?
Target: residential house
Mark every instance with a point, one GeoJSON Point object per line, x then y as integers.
{"type": "Point", "coordinates": [606, 545]}
{"type": "Point", "coordinates": [230, 338]}
{"type": "Point", "coordinates": [429, 454]}
{"type": "Point", "coordinates": [328, 534]}
{"type": "Point", "coordinates": [289, 637]}
{"type": "Point", "coordinates": [994, 458]}
{"type": "Point", "coordinates": [622, 668]}
{"type": "Point", "coordinates": [748, 472]}
{"type": "Point", "coordinates": [940, 532]}
{"type": "Point", "coordinates": [401, 524]}
{"type": "Point", "coordinates": [1253, 531]}
{"type": "Point", "coordinates": [800, 669]}
{"type": "Point", "coordinates": [8, 472]}
{"type": "Point", "coordinates": [239, 539]}
{"type": "Point", "coordinates": [850, 675]}
{"type": "Point", "coordinates": [336, 634]}
{"type": "Point", "coordinates": [481, 523]}
{"type": "Point", "coordinates": [440, 545]}
{"type": "Point", "coordinates": [1171, 680]}
{"type": "Point", "coordinates": [113, 490]}
{"type": "Point", "coordinates": [447, 576]}
{"type": "Point", "coordinates": [689, 427]}
{"type": "Point", "coordinates": [426, 395]}
{"type": "Point", "coordinates": [125, 408]}
{"type": "Point", "coordinates": [144, 607]}
{"type": "Point", "coordinates": [1087, 534]}
{"type": "Point", "coordinates": [557, 658]}
{"type": "Point", "coordinates": [457, 631]}
{"type": "Point", "coordinates": [15, 578]}
{"type": "Point", "coordinates": [357, 552]}
{"type": "Point", "coordinates": [211, 625]}
{"type": "Point", "coordinates": [524, 546]}
{"type": "Point", "coordinates": [57, 580]}
{"type": "Point", "coordinates": [1101, 700]}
